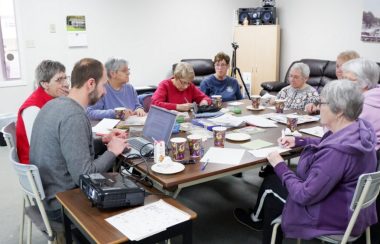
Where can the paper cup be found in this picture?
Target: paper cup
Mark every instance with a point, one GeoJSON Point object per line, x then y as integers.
{"type": "Point", "coordinates": [279, 104]}
{"type": "Point", "coordinates": [195, 145]}
{"type": "Point", "coordinates": [178, 148]}
{"type": "Point", "coordinates": [217, 100]}
{"type": "Point", "coordinates": [291, 122]}
{"type": "Point", "coordinates": [219, 135]}
{"type": "Point", "coordinates": [255, 101]}
{"type": "Point", "coordinates": [120, 113]}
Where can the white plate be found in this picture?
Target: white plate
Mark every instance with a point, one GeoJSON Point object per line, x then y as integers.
{"type": "Point", "coordinates": [238, 137]}
{"type": "Point", "coordinates": [255, 109]}
{"type": "Point", "coordinates": [168, 168]}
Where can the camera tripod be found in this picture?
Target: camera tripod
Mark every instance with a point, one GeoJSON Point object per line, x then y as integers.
{"type": "Point", "coordinates": [235, 69]}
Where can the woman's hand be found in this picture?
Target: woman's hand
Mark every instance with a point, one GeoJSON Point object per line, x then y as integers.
{"type": "Point", "coordinates": [287, 141]}
{"type": "Point", "coordinates": [311, 108]}
{"type": "Point", "coordinates": [139, 112]}
{"type": "Point", "coordinates": [203, 103]}
{"type": "Point", "coordinates": [274, 158]}
{"type": "Point", "coordinates": [184, 107]}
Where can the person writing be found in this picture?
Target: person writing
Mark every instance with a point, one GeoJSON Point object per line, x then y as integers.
{"type": "Point", "coordinates": [219, 83]}
{"type": "Point", "coordinates": [52, 82]}
{"type": "Point", "coordinates": [315, 200]}
{"type": "Point", "coordinates": [119, 93]}
{"type": "Point", "coordinates": [179, 93]}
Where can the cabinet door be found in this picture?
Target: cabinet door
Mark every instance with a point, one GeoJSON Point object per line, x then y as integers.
{"type": "Point", "coordinates": [258, 53]}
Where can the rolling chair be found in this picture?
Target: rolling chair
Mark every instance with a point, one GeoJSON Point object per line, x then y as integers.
{"type": "Point", "coordinates": [9, 133]}
{"type": "Point", "coordinates": [33, 194]}
{"type": "Point", "coordinates": [366, 192]}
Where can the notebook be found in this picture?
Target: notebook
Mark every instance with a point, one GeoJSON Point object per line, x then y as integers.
{"type": "Point", "coordinates": [158, 126]}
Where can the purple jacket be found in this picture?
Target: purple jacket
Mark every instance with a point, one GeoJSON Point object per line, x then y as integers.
{"type": "Point", "coordinates": [321, 190]}
{"type": "Point", "coordinates": [371, 110]}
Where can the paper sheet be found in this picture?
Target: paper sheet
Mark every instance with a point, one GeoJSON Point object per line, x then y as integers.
{"type": "Point", "coordinates": [263, 153]}
{"type": "Point", "coordinates": [235, 103]}
{"type": "Point", "coordinates": [135, 120]}
{"type": "Point", "coordinates": [220, 155]}
{"type": "Point", "coordinates": [148, 220]}
{"type": "Point", "coordinates": [256, 144]}
{"type": "Point", "coordinates": [258, 121]}
{"type": "Point", "coordinates": [315, 131]}
{"type": "Point", "coordinates": [105, 126]}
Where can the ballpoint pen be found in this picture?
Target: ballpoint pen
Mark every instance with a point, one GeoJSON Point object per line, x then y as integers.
{"type": "Point", "coordinates": [204, 165]}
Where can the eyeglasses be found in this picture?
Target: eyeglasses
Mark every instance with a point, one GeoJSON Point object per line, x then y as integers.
{"type": "Point", "coordinates": [221, 65]}
{"type": "Point", "coordinates": [184, 83]}
{"type": "Point", "coordinates": [62, 79]}
{"type": "Point", "coordinates": [126, 71]}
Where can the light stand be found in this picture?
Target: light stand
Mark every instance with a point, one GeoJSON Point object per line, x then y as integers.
{"type": "Point", "coordinates": [235, 69]}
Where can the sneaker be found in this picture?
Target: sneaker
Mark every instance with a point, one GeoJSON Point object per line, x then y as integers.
{"type": "Point", "coordinates": [245, 218]}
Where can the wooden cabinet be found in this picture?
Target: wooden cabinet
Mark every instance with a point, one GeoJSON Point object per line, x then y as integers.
{"type": "Point", "coordinates": [258, 53]}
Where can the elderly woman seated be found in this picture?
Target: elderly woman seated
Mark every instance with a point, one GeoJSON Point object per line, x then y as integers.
{"type": "Point", "coordinates": [315, 200]}
{"type": "Point", "coordinates": [120, 93]}
{"type": "Point", "coordinates": [179, 93]}
{"type": "Point", "coordinates": [298, 94]}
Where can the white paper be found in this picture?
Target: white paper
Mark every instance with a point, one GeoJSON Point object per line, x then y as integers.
{"type": "Point", "coordinates": [281, 118]}
{"type": "Point", "coordinates": [258, 121]}
{"type": "Point", "coordinates": [135, 120]}
{"type": "Point", "coordinates": [315, 131]}
{"type": "Point", "coordinates": [235, 103]}
{"type": "Point", "coordinates": [263, 152]}
{"type": "Point", "coordinates": [220, 155]}
{"type": "Point", "coordinates": [147, 220]}
{"type": "Point", "coordinates": [77, 39]}
{"type": "Point", "coordinates": [227, 120]}
{"type": "Point", "coordinates": [105, 126]}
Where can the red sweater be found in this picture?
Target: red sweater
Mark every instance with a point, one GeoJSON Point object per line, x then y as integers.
{"type": "Point", "coordinates": [38, 98]}
{"type": "Point", "coordinates": [168, 96]}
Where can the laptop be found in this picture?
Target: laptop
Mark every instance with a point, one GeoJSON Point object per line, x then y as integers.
{"type": "Point", "coordinates": [158, 126]}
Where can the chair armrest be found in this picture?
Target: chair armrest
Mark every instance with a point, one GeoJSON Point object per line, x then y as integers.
{"type": "Point", "coordinates": [273, 86]}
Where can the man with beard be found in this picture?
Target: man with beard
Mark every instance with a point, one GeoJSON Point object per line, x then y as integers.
{"type": "Point", "coordinates": [62, 145]}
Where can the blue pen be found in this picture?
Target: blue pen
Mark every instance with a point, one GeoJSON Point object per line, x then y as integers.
{"type": "Point", "coordinates": [205, 164]}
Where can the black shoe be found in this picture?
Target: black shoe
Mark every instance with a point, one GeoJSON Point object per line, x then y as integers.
{"type": "Point", "coordinates": [245, 218]}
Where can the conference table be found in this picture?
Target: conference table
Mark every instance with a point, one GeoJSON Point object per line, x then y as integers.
{"type": "Point", "coordinates": [91, 221]}
{"type": "Point", "coordinates": [193, 173]}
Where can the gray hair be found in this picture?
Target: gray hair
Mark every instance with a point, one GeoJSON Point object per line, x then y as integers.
{"type": "Point", "coordinates": [348, 55]}
{"type": "Point", "coordinates": [367, 72]}
{"type": "Point", "coordinates": [47, 69]}
{"type": "Point", "coordinates": [184, 70]}
{"type": "Point", "coordinates": [345, 97]}
{"type": "Point", "coordinates": [302, 68]}
{"type": "Point", "coordinates": [114, 64]}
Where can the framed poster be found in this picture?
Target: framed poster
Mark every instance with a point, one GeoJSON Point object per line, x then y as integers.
{"type": "Point", "coordinates": [76, 30]}
{"type": "Point", "coordinates": [371, 21]}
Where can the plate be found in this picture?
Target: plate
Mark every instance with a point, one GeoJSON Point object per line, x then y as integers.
{"type": "Point", "coordinates": [255, 109]}
{"type": "Point", "coordinates": [168, 168]}
{"type": "Point", "coordinates": [238, 137]}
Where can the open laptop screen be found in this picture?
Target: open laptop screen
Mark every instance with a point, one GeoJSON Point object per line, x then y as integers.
{"type": "Point", "coordinates": [159, 124]}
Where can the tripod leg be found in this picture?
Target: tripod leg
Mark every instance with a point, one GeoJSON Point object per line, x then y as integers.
{"type": "Point", "coordinates": [241, 78]}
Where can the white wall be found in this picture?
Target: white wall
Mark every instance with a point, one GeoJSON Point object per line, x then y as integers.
{"type": "Point", "coordinates": [154, 34]}
{"type": "Point", "coordinates": [151, 34]}
{"type": "Point", "coordinates": [321, 29]}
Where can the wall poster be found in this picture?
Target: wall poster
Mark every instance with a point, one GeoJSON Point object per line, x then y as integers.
{"type": "Point", "coordinates": [76, 30]}
{"type": "Point", "coordinates": [371, 21]}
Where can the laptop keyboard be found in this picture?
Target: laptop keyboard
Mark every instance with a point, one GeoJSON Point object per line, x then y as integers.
{"type": "Point", "coordinates": [138, 144]}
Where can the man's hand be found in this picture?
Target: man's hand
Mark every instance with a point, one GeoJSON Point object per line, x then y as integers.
{"type": "Point", "coordinates": [139, 112]}
{"type": "Point", "coordinates": [117, 145]}
{"type": "Point", "coordinates": [115, 133]}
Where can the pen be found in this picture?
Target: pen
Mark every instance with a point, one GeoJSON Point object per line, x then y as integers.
{"type": "Point", "coordinates": [204, 165]}
{"type": "Point", "coordinates": [187, 101]}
